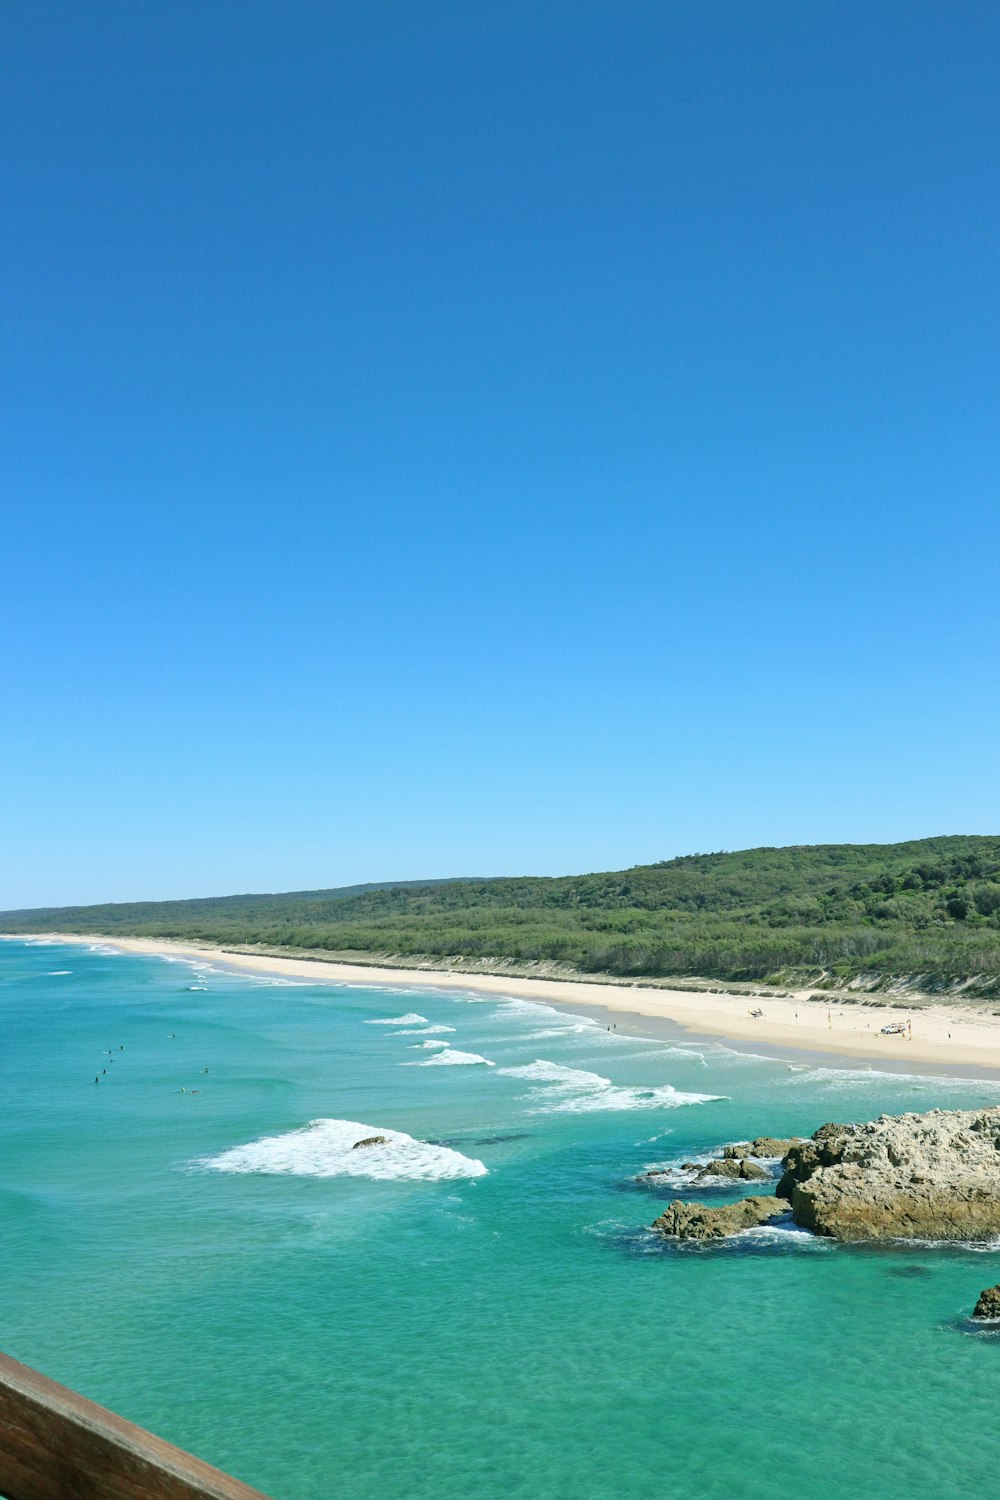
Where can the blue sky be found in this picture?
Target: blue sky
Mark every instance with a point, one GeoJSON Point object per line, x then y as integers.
{"type": "Point", "coordinates": [452, 439]}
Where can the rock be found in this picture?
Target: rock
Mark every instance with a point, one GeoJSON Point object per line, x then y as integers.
{"type": "Point", "coordinates": [988, 1305]}
{"type": "Point", "coordinates": [369, 1140]}
{"type": "Point", "coordinates": [803, 1157]}
{"type": "Point", "coordinates": [725, 1169]}
{"type": "Point", "coordinates": [914, 1176]}
{"type": "Point", "coordinates": [765, 1146]}
{"type": "Point", "coordinates": [697, 1221]}
{"type": "Point", "coordinates": [738, 1171]}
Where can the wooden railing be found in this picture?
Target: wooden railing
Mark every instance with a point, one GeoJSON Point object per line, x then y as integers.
{"type": "Point", "coordinates": [56, 1445]}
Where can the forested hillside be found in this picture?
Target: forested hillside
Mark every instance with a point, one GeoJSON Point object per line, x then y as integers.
{"type": "Point", "coordinates": [930, 907]}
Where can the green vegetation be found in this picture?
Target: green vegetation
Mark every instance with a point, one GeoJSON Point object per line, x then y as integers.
{"type": "Point", "coordinates": [931, 908]}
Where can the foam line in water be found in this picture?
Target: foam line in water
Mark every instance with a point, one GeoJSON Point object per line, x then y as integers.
{"type": "Point", "coordinates": [326, 1148]}
{"type": "Point", "coordinates": [293, 984]}
{"type": "Point", "coordinates": [419, 1046]}
{"type": "Point", "coordinates": [846, 1078]}
{"type": "Point", "coordinates": [515, 1009]}
{"type": "Point", "coordinates": [423, 1030]}
{"type": "Point", "coordinates": [575, 1091]}
{"type": "Point", "coordinates": [410, 1019]}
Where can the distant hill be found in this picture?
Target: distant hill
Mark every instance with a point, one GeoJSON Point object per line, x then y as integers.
{"type": "Point", "coordinates": [833, 911]}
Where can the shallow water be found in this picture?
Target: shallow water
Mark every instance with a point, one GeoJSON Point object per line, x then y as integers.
{"type": "Point", "coordinates": [475, 1310]}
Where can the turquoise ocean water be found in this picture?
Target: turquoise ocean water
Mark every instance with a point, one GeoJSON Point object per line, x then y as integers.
{"type": "Point", "coordinates": [481, 1311]}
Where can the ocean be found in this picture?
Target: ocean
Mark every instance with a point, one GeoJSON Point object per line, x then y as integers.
{"type": "Point", "coordinates": [476, 1309]}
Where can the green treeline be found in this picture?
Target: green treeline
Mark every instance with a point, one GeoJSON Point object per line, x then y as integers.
{"type": "Point", "coordinates": [930, 907]}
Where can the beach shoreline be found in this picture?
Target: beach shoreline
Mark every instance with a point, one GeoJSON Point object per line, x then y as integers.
{"type": "Point", "coordinates": [953, 1037]}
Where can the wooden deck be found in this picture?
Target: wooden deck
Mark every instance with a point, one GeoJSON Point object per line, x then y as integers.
{"type": "Point", "coordinates": [56, 1445]}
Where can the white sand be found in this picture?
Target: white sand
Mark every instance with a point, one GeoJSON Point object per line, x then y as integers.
{"type": "Point", "coordinates": [944, 1034]}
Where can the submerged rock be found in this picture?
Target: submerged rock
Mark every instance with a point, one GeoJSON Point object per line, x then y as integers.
{"type": "Point", "coordinates": [988, 1305]}
{"type": "Point", "coordinates": [697, 1221]}
{"type": "Point", "coordinates": [369, 1140]}
{"type": "Point", "coordinates": [915, 1176]}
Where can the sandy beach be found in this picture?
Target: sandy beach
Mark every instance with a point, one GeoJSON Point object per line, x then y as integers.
{"type": "Point", "coordinates": [949, 1036]}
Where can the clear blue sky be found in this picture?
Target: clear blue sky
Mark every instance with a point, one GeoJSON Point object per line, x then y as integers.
{"type": "Point", "coordinates": [446, 439]}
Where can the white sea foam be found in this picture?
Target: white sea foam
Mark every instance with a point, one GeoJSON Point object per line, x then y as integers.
{"type": "Point", "coordinates": [576, 1091]}
{"type": "Point", "coordinates": [573, 1029]}
{"type": "Point", "coordinates": [325, 1148]}
{"type": "Point", "coordinates": [54, 973]}
{"type": "Point", "coordinates": [512, 1008]}
{"type": "Point", "coordinates": [417, 1046]}
{"type": "Point", "coordinates": [838, 1079]}
{"type": "Point", "coordinates": [977, 1247]}
{"type": "Point", "coordinates": [782, 1232]}
{"type": "Point", "coordinates": [673, 1174]}
{"type": "Point", "coordinates": [410, 1019]}
{"type": "Point", "coordinates": [448, 1057]}
{"type": "Point", "coordinates": [423, 1030]}
{"type": "Point", "coordinates": [291, 984]}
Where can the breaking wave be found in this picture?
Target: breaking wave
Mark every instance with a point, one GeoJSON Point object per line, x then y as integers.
{"type": "Point", "coordinates": [449, 1057]}
{"type": "Point", "coordinates": [326, 1148]}
{"type": "Point", "coordinates": [423, 1030]}
{"type": "Point", "coordinates": [410, 1019]}
{"type": "Point", "coordinates": [575, 1091]}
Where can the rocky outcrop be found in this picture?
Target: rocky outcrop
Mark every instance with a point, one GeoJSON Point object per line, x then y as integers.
{"type": "Point", "coordinates": [715, 1173]}
{"type": "Point", "coordinates": [736, 1171]}
{"type": "Point", "coordinates": [369, 1140]}
{"type": "Point", "coordinates": [766, 1146]}
{"type": "Point", "coordinates": [929, 1176]}
{"type": "Point", "coordinates": [740, 1162]}
{"type": "Point", "coordinates": [988, 1305]}
{"type": "Point", "coordinates": [696, 1221]}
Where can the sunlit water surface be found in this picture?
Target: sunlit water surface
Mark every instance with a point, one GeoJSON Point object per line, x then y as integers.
{"type": "Point", "coordinates": [478, 1310]}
